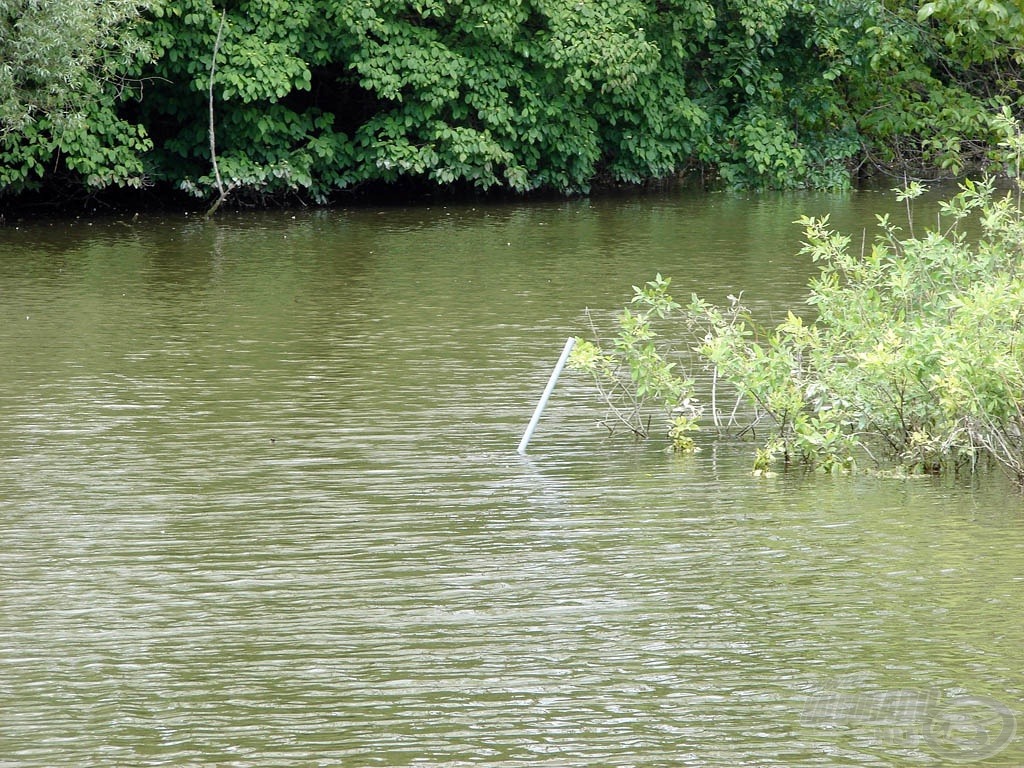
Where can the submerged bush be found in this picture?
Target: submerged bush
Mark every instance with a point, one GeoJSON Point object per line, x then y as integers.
{"type": "Point", "coordinates": [636, 375]}
{"type": "Point", "coordinates": [915, 357]}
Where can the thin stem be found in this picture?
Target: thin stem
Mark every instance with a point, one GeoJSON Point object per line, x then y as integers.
{"type": "Point", "coordinates": [221, 192]}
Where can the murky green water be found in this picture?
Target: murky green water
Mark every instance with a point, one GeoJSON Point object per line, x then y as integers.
{"type": "Point", "coordinates": [260, 506]}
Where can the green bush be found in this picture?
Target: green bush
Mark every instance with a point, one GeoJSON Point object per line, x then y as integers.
{"type": "Point", "coordinates": [915, 356]}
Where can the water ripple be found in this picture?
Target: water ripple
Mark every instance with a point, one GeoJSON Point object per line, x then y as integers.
{"type": "Point", "coordinates": [264, 509]}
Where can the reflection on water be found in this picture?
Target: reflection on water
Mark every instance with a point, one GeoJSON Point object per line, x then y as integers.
{"type": "Point", "coordinates": [261, 506]}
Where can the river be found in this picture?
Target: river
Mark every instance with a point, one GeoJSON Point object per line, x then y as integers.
{"type": "Point", "coordinates": [260, 505]}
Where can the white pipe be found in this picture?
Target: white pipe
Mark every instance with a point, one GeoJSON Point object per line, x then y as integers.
{"type": "Point", "coordinates": [569, 343]}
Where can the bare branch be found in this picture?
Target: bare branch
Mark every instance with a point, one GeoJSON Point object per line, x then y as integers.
{"type": "Point", "coordinates": [221, 192]}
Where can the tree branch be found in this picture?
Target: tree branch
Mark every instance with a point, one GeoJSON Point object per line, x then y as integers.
{"type": "Point", "coordinates": [221, 192]}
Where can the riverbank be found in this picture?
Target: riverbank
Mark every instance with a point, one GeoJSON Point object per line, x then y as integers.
{"type": "Point", "coordinates": [63, 204]}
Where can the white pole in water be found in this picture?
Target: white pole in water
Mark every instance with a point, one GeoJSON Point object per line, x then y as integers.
{"type": "Point", "coordinates": [569, 343]}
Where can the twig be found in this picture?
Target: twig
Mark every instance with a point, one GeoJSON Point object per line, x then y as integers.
{"type": "Point", "coordinates": [714, 400]}
{"type": "Point", "coordinates": [221, 192]}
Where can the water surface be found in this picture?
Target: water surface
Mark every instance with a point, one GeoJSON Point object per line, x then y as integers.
{"type": "Point", "coordinates": [260, 505]}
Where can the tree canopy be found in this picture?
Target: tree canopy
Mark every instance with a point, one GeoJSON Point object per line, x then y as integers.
{"type": "Point", "coordinates": [62, 92]}
{"type": "Point", "coordinates": [314, 97]}
{"type": "Point", "coordinates": [50, 53]}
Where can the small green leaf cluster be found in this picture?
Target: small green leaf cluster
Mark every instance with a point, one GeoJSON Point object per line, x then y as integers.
{"type": "Point", "coordinates": [680, 439]}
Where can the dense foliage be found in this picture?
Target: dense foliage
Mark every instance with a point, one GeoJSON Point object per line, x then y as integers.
{"type": "Point", "coordinates": [50, 53]}
{"type": "Point", "coordinates": [62, 92]}
{"type": "Point", "coordinates": [315, 96]}
{"type": "Point", "coordinates": [914, 356]}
